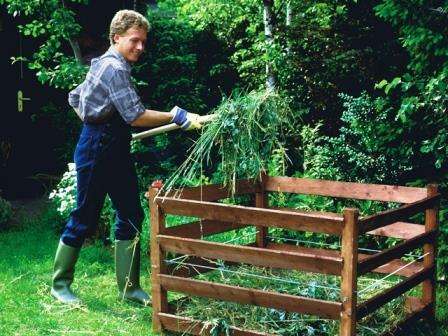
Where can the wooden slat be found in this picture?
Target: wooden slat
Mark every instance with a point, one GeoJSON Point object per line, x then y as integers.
{"type": "Point", "coordinates": [376, 192]}
{"type": "Point", "coordinates": [252, 255]}
{"type": "Point", "coordinates": [394, 265]}
{"type": "Point", "coordinates": [257, 297]}
{"type": "Point", "coordinates": [395, 252]}
{"type": "Point", "coordinates": [187, 325]}
{"type": "Point", "coordinates": [404, 327]}
{"type": "Point", "coordinates": [251, 215]}
{"type": "Point", "coordinates": [318, 252]}
{"type": "Point", "coordinates": [213, 192]}
{"type": "Point", "coordinates": [397, 215]}
{"type": "Point", "coordinates": [197, 229]}
{"type": "Point", "coordinates": [388, 295]}
{"type": "Point", "coordinates": [401, 230]}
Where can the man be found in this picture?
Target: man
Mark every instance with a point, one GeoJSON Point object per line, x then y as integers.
{"type": "Point", "coordinates": [107, 103]}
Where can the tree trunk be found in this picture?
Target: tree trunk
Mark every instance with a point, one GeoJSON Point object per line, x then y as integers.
{"type": "Point", "coordinates": [76, 49]}
{"type": "Point", "coordinates": [288, 25]}
{"type": "Point", "coordinates": [288, 13]}
{"type": "Point", "coordinates": [268, 32]}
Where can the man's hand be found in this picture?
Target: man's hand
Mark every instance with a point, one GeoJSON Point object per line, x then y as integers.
{"type": "Point", "coordinates": [187, 121]}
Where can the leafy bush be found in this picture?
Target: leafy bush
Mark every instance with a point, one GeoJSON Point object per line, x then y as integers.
{"type": "Point", "coordinates": [365, 150]}
{"type": "Point", "coordinates": [64, 198]}
{"type": "Point", "coordinates": [5, 212]}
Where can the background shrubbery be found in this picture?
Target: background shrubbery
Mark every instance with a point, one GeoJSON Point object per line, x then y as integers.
{"type": "Point", "coordinates": [5, 213]}
{"type": "Point", "coordinates": [366, 82]}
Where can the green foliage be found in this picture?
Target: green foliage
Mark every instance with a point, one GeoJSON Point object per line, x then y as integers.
{"type": "Point", "coordinates": [238, 24]}
{"type": "Point", "coordinates": [328, 47]}
{"type": "Point", "coordinates": [64, 199]}
{"type": "Point", "coordinates": [246, 131]}
{"type": "Point", "coordinates": [422, 90]}
{"type": "Point", "coordinates": [185, 67]}
{"type": "Point", "coordinates": [64, 196]}
{"type": "Point", "coordinates": [5, 213]}
{"type": "Point", "coordinates": [53, 24]}
{"type": "Point", "coordinates": [364, 150]}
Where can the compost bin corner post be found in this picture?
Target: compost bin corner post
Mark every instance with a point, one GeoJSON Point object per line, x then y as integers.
{"type": "Point", "coordinates": [349, 253]}
{"type": "Point", "coordinates": [159, 295]}
{"type": "Point", "coordinates": [430, 251]}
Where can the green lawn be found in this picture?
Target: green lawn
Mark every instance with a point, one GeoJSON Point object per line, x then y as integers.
{"type": "Point", "coordinates": [26, 307]}
{"type": "Point", "coordinates": [26, 261]}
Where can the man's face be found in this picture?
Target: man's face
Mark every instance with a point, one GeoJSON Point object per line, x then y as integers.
{"type": "Point", "coordinates": [131, 44]}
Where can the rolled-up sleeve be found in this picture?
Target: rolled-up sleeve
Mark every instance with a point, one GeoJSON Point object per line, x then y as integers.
{"type": "Point", "coordinates": [73, 96]}
{"type": "Point", "coordinates": [123, 96]}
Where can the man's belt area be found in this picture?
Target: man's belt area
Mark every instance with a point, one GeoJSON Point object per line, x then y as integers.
{"type": "Point", "coordinates": [112, 126]}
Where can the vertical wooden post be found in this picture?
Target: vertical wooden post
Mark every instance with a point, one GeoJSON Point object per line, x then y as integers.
{"type": "Point", "coordinates": [431, 223]}
{"type": "Point", "coordinates": [349, 286]}
{"type": "Point", "coordinates": [261, 201]}
{"type": "Point", "coordinates": [159, 295]}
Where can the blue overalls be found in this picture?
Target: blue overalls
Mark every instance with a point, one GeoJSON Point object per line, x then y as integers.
{"type": "Point", "coordinates": [104, 166]}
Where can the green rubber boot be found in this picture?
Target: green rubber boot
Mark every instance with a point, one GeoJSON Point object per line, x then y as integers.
{"type": "Point", "coordinates": [64, 270]}
{"type": "Point", "coordinates": [127, 266]}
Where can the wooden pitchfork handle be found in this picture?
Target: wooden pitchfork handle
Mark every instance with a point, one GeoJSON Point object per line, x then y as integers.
{"type": "Point", "coordinates": [168, 128]}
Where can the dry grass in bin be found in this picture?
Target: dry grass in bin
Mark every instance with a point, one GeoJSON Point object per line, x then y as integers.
{"type": "Point", "coordinates": [247, 130]}
{"type": "Point", "coordinates": [222, 315]}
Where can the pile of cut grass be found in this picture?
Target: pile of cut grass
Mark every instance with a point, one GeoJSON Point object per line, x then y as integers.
{"type": "Point", "coordinates": [247, 130]}
{"type": "Point", "coordinates": [222, 315]}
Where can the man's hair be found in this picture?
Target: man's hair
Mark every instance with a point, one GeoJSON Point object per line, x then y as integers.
{"type": "Point", "coordinates": [125, 19]}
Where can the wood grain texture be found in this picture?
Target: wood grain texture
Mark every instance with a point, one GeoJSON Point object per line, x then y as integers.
{"type": "Point", "coordinates": [159, 295]}
{"type": "Point", "coordinates": [251, 215]}
{"type": "Point", "coordinates": [251, 255]}
{"type": "Point", "coordinates": [187, 325]}
{"type": "Point", "coordinates": [401, 230]}
{"type": "Point", "coordinates": [431, 224]}
{"type": "Point", "coordinates": [401, 214]}
{"type": "Point", "coordinates": [350, 190]}
{"type": "Point", "coordinates": [291, 303]}
{"type": "Point", "coordinates": [388, 268]}
{"type": "Point", "coordinates": [349, 277]}
{"type": "Point", "coordinates": [395, 252]}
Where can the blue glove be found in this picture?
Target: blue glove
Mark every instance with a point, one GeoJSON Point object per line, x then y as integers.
{"type": "Point", "coordinates": [181, 117]}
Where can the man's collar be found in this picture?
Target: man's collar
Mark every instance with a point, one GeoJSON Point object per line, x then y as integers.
{"type": "Point", "coordinates": [117, 54]}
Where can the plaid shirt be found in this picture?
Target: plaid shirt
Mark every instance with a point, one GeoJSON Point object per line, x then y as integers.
{"type": "Point", "coordinates": [107, 88]}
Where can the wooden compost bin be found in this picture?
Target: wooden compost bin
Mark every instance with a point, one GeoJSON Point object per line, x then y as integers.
{"type": "Point", "coordinates": [347, 262]}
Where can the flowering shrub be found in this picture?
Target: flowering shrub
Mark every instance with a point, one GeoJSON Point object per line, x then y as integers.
{"type": "Point", "coordinates": [64, 198]}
